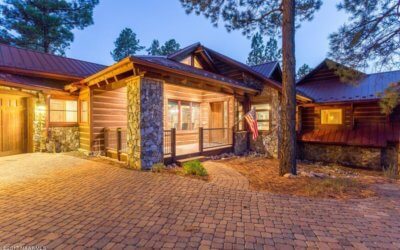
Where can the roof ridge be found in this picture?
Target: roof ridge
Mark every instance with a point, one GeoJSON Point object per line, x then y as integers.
{"type": "Point", "coordinates": [263, 63]}
{"type": "Point", "coordinates": [53, 55]}
{"type": "Point", "coordinates": [384, 72]}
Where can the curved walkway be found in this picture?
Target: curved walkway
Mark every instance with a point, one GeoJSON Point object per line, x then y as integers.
{"type": "Point", "coordinates": [226, 177]}
{"type": "Point", "coordinates": [86, 204]}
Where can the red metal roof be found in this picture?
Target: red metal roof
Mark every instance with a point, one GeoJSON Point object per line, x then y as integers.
{"type": "Point", "coordinates": [24, 59]}
{"type": "Point", "coordinates": [33, 81]}
{"type": "Point", "coordinates": [266, 69]}
{"type": "Point", "coordinates": [372, 135]}
{"type": "Point", "coordinates": [330, 89]}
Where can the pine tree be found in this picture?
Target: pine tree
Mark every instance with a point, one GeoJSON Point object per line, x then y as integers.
{"type": "Point", "coordinates": [154, 48]}
{"type": "Point", "coordinates": [267, 17]}
{"type": "Point", "coordinates": [44, 25]}
{"type": "Point", "coordinates": [126, 44]}
{"type": "Point", "coordinates": [256, 55]}
{"type": "Point", "coordinates": [303, 71]}
{"type": "Point", "coordinates": [272, 52]}
{"type": "Point", "coordinates": [169, 47]}
{"type": "Point", "coordinates": [371, 36]}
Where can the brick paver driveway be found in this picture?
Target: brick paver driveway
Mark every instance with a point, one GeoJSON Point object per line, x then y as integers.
{"type": "Point", "coordinates": [64, 201]}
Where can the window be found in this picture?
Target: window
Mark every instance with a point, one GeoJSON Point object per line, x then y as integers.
{"type": "Point", "coordinates": [63, 111]}
{"type": "Point", "coordinates": [331, 116]}
{"type": "Point", "coordinates": [263, 115]}
{"type": "Point", "coordinates": [84, 111]}
{"type": "Point", "coordinates": [192, 61]}
{"type": "Point", "coordinates": [183, 115]}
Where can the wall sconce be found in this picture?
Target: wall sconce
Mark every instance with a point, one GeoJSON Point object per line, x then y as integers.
{"type": "Point", "coordinates": [40, 108]}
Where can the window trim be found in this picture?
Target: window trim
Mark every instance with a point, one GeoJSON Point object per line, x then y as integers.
{"type": "Point", "coordinates": [331, 124]}
{"type": "Point", "coordinates": [179, 128]}
{"type": "Point", "coordinates": [62, 124]}
{"type": "Point", "coordinates": [263, 110]}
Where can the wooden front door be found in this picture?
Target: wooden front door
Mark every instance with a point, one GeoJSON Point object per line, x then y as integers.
{"type": "Point", "coordinates": [12, 125]}
{"type": "Point", "coordinates": [216, 121]}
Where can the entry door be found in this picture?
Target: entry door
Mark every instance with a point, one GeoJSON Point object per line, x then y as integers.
{"type": "Point", "coordinates": [217, 121]}
{"type": "Point", "coordinates": [12, 125]}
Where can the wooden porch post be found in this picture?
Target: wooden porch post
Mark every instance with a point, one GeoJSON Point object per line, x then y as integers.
{"type": "Point", "coordinates": [201, 139]}
{"type": "Point", "coordinates": [119, 143]}
{"type": "Point", "coordinates": [173, 143]}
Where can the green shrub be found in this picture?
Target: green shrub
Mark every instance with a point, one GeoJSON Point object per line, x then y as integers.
{"type": "Point", "coordinates": [194, 168]}
{"type": "Point", "coordinates": [158, 167]}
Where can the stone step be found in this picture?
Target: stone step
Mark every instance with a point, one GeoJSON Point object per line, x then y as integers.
{"type": "Point", "coordinates": [199, 158]}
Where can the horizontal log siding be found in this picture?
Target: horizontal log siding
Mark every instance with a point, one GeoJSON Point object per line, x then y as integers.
{"type": "Point", "coordinates": [357, 115]}
{"type": "Point", "coordinates": [109, 110]}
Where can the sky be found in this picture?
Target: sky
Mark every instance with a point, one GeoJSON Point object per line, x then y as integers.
{"type": "Point", "coordinates": [166, 19]}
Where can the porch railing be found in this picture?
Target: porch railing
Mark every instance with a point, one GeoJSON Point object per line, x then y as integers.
{"type": "Point", "coordinates": [170, 142]}
{"type": "Point", "coordinates": [115, 140]}
{"type": "Point", "coordinates": [214, 138]}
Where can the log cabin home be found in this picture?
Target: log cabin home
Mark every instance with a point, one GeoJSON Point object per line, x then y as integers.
{"type": "Point", "coordinates": [344, 123]}
{"type": "Point", "coordinates": [143, 109]}
{"type": "Point", "coordinates": [151, 109]}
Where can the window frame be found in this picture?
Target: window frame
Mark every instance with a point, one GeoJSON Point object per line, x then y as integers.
{"type": "Point", "coordinates": [331, 124]}
{"type": "Point", "coordinates": [63, 124]}
{"type": "Point", "coordinates": [179, 102]}
{"type": "Point", "coordinates": [239, 114]}
{"type": "Point", "coordinates": [263, 110]}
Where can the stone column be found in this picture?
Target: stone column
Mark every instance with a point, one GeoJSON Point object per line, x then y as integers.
{"type": "Point", "coordinates": [145, 140]}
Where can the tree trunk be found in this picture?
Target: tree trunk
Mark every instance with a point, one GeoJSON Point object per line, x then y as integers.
{"type": "Point", "coordinates": [287, 152]}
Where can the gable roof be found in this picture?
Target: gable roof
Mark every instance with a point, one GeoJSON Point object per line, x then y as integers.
{"type": "Point", "coordinates": [173, 65]}
{"type": "Point", "coordinates": [324, 86]}
{"type": "Point", "coordinates": [213, 55]}
{"type": "Point", "coordinates": [29, 62]}
{"type": "Point", "coordinates": [266, 69]}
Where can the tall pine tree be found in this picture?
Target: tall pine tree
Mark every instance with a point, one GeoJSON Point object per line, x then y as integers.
{"type": "Point", "coordinates": [170, 47]}
{"type": "Point", "coordinates": [154, 48]}
{"type": "Point", "coordinates": [272, 52]}
{"type": "Point", "coordinates": [257, 53]}
{"type": "Point", "coordinates": [303, 71]}
{"type": "Point", "coordinates": [267, 17]}
{"type": "Point", "coordinates": [44, 25]}
{"type": "Point", "coordinates": [126, 44]}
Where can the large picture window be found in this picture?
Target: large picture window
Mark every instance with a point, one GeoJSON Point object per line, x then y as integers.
{"type": "Point", "coordinates": [331, 116]}
{"type": "Point", "coordinates": [183, 115]}
{"type": "Point", "coordinates": [63, 111]}
{"type": "Point", "coordinates": [263, 111]}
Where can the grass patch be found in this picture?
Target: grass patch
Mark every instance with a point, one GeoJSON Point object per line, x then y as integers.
{"type": "Point", "coordinates": [194, 168]}
{"type": "Point", "coordinates": [158, 167]}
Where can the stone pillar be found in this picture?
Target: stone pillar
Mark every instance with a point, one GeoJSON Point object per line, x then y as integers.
{"type": "Point", "coordinates": [39, 124]}
{"type": "Point", "coordinates": [240, 142]}
{"type": "Point", "coordinates": [145, 140]}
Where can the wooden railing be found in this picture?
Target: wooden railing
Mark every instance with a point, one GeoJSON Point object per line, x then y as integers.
{"type": "Point", "coordinates": [115, 140]}
{"type": "Point", "coordinates": [170, 142]}
{"type": "Point", "coordinates": [214, 138]}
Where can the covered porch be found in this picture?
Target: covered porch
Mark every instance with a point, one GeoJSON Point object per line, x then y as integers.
{"type": "Point", "coordinates": [195, 122]}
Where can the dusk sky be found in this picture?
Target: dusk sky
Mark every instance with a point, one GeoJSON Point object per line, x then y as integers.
{"type": "Point", "coordinates": [165, 19]}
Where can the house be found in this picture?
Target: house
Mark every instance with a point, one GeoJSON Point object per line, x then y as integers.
{"type": "Point", "coordinates": [143, 109]}
{"type": "Point", "coordinates": [150, 109]}
{"type": "Point", "coordinates": [344, 122]}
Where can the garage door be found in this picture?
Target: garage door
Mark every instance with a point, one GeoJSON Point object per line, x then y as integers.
{"type": "Point", "coordinates": [12, 125]}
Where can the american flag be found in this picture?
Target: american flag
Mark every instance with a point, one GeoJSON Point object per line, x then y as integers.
{"type": "Point", "coordinates": [251, 119]}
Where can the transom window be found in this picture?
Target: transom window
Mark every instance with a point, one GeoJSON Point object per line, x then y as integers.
{"type": "Point", "coordinates": [192, 61]}
{"type": "Point", "coordinates": [263, 111]}
{"type": "Point", "coordinates": [183, 115]}
{"type": "Point", "coordinates": [331, 116]}
{"type": "Point", "coordinates": [63, 111]}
